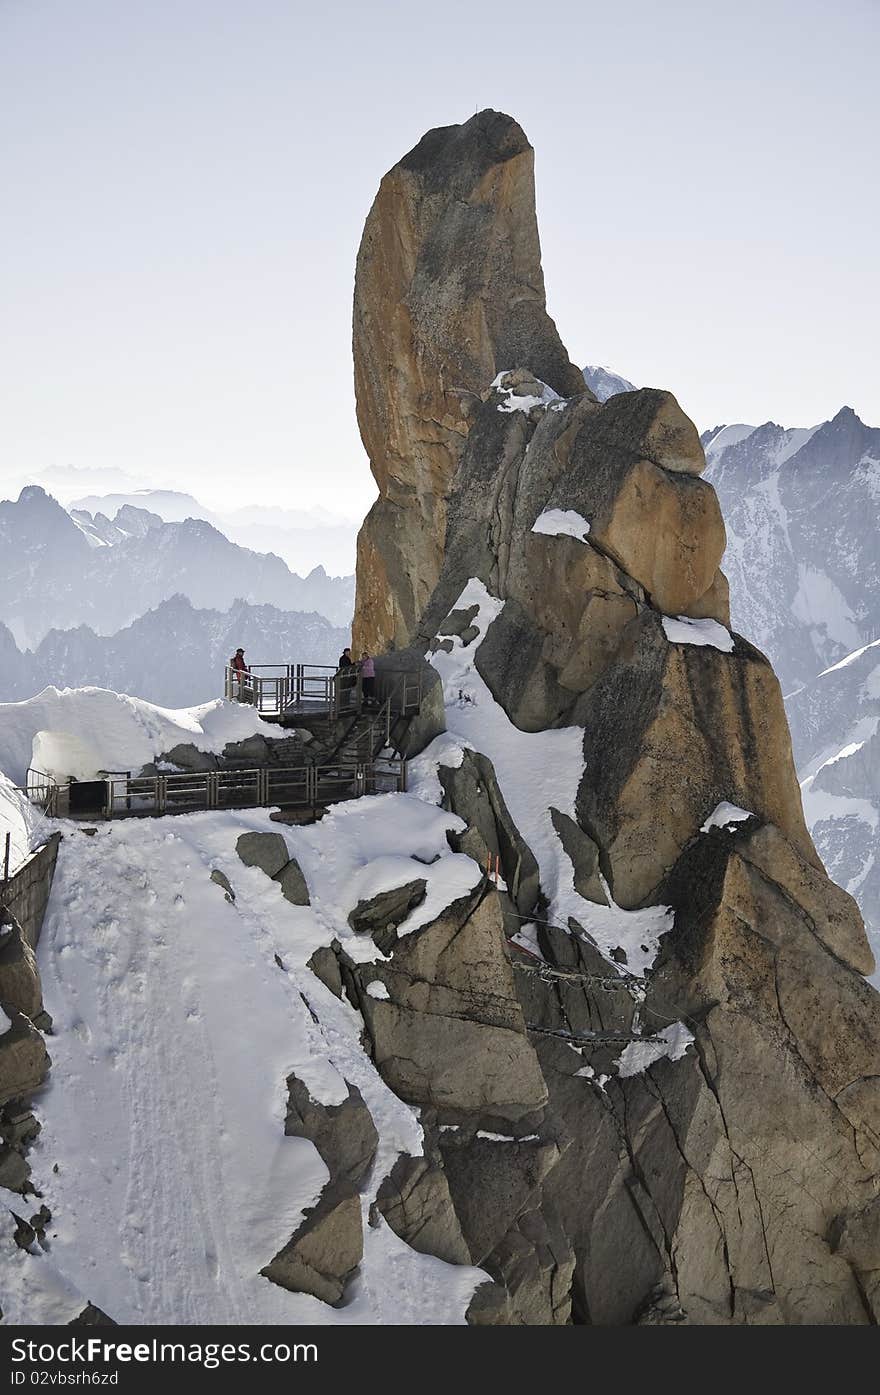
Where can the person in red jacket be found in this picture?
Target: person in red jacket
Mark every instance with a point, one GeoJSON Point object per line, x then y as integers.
{"type": "Point", "coordinates": [240, 674]}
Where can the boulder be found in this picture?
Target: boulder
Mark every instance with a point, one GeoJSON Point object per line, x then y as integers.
{"type": "Point", "coordinates": [536, 1262]}
{"type": "Point", "coordinates": [344, 1134]}
{"type": "Point", "coordinates": [491, 1182]}
{"type": "Point", "coordinates": [472, 791]}
{"type": "Point", "coordinates": [380, 915]}
{"type": "Point", "coordinates": [451, 1034]}
{"type": "Point", "coordinates": [584, 855]}
{"type": "Point", "coordinates": [14, 1171]}
{"type": "Point", "coordinates": [19, 979]}
{"type": "Point", "coordinates": [325, 965]}
{"type": "Point", "coordinates": [24, 1060]}
{"type": "Point", "coordinates": [292, 882]}
{"type": "Point", "coordinates": [252, 751]}
{"type": "Point", "coordinates": [715, 719]}
{"type": "Point", "coordinates": [91, 1317]}
{"type": "Point", "coordinates": [325, 1250]}
{"type": "Point", "coordinates": [188, 757]}
{"type": "Point", "coordinates": [415, 1201]}
{"type": "Point", "coordinates": [268, 851]}
{"type": "Point", "coordinates": [220, 879]}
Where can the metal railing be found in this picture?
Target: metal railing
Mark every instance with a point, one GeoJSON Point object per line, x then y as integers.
{"type": "Point", "coordinates": [277, 689]}
{"type": "Point", "coordinates": [120, 795]}
{"type": "Point", "coordinates": [43, 791]}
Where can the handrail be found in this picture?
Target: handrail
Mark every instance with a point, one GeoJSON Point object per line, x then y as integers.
{"type": "Point", "coordinates": [258, 786]}
{"type": "Point", "coordinates": [276, 689]}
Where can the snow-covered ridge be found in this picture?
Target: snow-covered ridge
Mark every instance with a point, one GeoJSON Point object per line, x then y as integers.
{"type": "Point", "coordinates": [94, 729]}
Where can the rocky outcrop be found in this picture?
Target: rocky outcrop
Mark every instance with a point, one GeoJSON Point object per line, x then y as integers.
{"type": "Point", "coordinates": [698, 1144]}
{"type": "Point", "coordinates": [325, 1250]}
{"type": "Point", "coordinates": [269, 852]}
{"type": "Point", "coordinates": [716, 716]}
{"type": "Point", "coordinates": [448, 292]}
{"type": "Point", "coordinates": [448, 1001]}
{"type": "Point", "coordinates": [19, 980]}
{"type": "Point", "coordinates": [24, 1060]}
{"type": "Point", "coordinates": [344, 1134]}
{"type": "Point", "coordinates": [472, 790]}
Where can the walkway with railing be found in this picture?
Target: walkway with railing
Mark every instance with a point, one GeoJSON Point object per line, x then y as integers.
{"type": "Point", "coordinates": [123, 795]}
{"type": "Point", "coordinates": [358, 752]}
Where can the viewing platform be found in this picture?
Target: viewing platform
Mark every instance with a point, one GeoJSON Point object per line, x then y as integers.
{"type": "Point", "coordinates": [289, 693]}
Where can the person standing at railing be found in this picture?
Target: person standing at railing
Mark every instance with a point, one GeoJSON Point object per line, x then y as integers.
{"type": "Point", "coordinates": [346, 673]}
{"type": "Point", "coordinates": [240, 675]}
{"type": "Point", "coordinates": [368, 679]}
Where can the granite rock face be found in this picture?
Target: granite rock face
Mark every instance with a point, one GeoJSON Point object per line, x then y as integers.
{"type": "Point", "coordinates": [697, 1144]}
{"type": "Point", "coordinates": [448, 293]}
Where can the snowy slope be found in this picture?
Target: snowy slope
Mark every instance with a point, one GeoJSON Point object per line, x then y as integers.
{"type": "Point", "coordinates": [179, 1014]}
{"type": "Point", "coordinates": [175, 1030]}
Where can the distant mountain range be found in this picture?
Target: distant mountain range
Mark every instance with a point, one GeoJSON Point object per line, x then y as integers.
{"type": "Point", "coordinates": [304, 538]}
{"type": "Point", "coordinates": [803, 559]}
{"type": "Point", "coordinates": [59, 570]}
{"type": "Point", "coordinates": [174, 655]}
{"type": "Point", "coordinates": [604, 383]}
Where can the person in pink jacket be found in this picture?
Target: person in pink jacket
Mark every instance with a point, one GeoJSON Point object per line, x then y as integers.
{"type": "Point", "coordinates": [368, 679]}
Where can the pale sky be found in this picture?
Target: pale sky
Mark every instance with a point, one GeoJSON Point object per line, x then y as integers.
{"type": "Point", "coordinates": [185, 183]}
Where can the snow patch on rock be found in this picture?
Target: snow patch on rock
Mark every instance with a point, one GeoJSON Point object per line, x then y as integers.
{"type": "Point", "coordinates": [681, 629]}
{"type": "Point", "coordinates": [671, 1043]}
{"type": "Point", "coordinates": [725, 815]}
{"type": "Point", "coordinates": [559, 523]}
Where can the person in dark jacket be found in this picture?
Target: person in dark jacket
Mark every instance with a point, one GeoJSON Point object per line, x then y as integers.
{"type": "Point", "coordinates": [347, 676]}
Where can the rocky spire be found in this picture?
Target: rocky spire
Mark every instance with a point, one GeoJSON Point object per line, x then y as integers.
{"type": "Point", "coordinates": [448, 292]}
{"type": "Point", "coordinates": [560, 560]}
